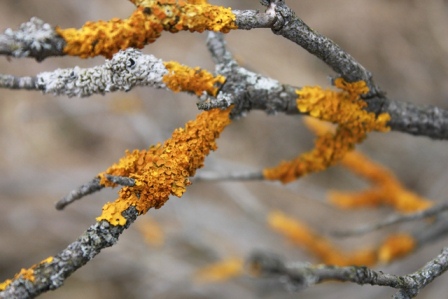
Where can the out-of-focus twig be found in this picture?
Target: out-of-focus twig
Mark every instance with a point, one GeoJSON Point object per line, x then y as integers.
{"type": "Point", "coordinates": [392, 220]}
{"type": "Point", "coordinates": [300, 276]}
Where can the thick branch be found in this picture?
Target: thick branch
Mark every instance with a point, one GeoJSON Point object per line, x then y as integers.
{"type": "Point", "coordinates": [284, 22]}
{"type": "Point", "coordinates": [413, 119]}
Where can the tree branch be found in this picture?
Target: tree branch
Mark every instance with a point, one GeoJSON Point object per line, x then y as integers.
{"type": "Point", "coordinates": [51, 273]}
{"type": "Point", "coordinates": [34, 38]}
{"type": "Point", "coordinates": [300, 276]}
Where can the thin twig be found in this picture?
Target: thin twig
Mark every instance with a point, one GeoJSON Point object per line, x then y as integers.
{"type": "Point", "coordinates": [91, 187]}
{"type": "Point", "coordinates": [231, 176]}
{"type": "Point", "coordinates": [392, 220]}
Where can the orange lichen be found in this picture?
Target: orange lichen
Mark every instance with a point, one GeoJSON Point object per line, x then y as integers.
{"type": "Point", "coordinates": [151, 231]}
{"type": "Point", "coordinates": [27, 274]}
{"type": "Point", "coordinates": [322, 248]}
{"type": "Point", "coordinates": [221, 271]}
{"type": "Point", "coordinates": [144, 26]}
{"type": "Point", "coordinates": [344, 108]}
{"type": "Point", "coordinates": [387, 189]}
{"type": "Point", "coordinates": [395, 247]}
{"type": "Point", "coordinates": [184, 78]}
{"type": "Point", "coordinates": [163, 170]}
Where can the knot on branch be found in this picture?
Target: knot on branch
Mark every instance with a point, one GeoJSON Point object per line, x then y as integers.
{"type": "Point", "coordinates": [281, 12]}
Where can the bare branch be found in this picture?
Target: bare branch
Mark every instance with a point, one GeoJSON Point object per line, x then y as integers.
{"type": "Point", "coordinates": [92, 187]}
{"type": "Point", "coordinates": [421, 120]}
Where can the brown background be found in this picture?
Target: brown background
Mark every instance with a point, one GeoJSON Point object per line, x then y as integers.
{"type": "Point", "coordinates": [50, 145]}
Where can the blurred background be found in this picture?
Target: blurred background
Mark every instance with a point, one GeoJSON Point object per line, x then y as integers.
{"type": "Point", "coordinates": [51, 145]}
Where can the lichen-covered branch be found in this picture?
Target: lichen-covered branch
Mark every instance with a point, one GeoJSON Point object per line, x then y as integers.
{"type": "Point", "coordinates": [159, 172]}
{"type": "Point", "coordinates": [344, 108]}
{"type": "Point", "coordinates": [51, 273]}
{"type": "Point", "coordinates": [127, 69]}
{"type": "Point", "coordinates": [300, 276]}
{"type": "Point", "coordinates": [34, 38]}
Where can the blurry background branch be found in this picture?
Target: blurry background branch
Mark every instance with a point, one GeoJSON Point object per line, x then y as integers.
{"type": "Point", "coordinates": [297, 276]}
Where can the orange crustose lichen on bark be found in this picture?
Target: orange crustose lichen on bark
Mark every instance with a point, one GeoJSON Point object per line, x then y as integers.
{"type": "Point", "coordinates": [344, 108]}
{"type": "Point", "coordinates": [184, 78]}
{"type": "Point", "coordinates": [163, 170]}
{"type": "Point", "coordinates": [144, 26]}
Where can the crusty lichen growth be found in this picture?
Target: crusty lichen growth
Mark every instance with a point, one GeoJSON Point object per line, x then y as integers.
{"type": "Point", "coordinates": [344, 108]}
{"type": "Point", "coordinates": [163, 170]}
{"type": "Point", "coordinates": [27, 274]}
{"type": "Point", "coordinates": [394, 247]}
{"type": "Point", "coordinates": [144, 26]}
{"type": "Point", "coordinates": [196, 80]}
{"type": "Point", "coordinates": [386, 189]}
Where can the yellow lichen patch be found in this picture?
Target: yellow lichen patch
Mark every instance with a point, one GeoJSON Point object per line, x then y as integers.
{"type": "Point", "coordinates": [151, 231]}
{"type": "Point", "coordinates": [184, 78]}
{"type": "Point", "coordinates": [387, 190]}
{"type": "Point", "coordinates": [344, 108]}
{"type": "Point", "coordinates": [221, 271]}
{"type": "Point", "coordinates": [144, 26]}
{"type": "Point", "coordinates": [301, 235]}
{"type": "Point", "coordinates": [5, 284]}
{"type": "Point", "coordinates": [395, 247]}
{"type": "Point", "coordinates": [163, 170]}
{"type": "Point", "coordinates": [27, 274]}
